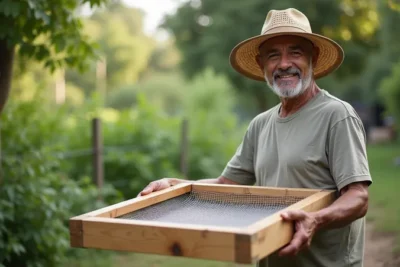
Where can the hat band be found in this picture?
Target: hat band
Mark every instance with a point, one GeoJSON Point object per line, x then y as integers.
{"type": "Point", "coordinates": [288, 29]}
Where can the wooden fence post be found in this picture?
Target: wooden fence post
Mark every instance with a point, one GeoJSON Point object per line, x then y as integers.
{"type": "Point", "coordinates": [97, 143]}
{"type": "Point", "coordinates": [184, 148]}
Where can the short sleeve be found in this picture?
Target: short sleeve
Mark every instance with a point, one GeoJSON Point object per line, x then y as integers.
{"type": "Point", "coordinates": [347, 152]}
{"type": "Point", "coordinates": [240, 168]}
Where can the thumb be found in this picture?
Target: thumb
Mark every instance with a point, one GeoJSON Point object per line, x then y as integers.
{"type": "Point", "coordinates": [147, 190]}
{"type": "Point", "coordinates": [293, 215]}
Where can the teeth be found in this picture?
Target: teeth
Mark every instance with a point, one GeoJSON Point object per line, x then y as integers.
{"type": "Point", "coordinates": [287, 76]}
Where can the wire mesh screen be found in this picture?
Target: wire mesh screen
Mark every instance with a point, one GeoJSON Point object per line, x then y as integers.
{"type": "Point", "coordinates": [213, 208]}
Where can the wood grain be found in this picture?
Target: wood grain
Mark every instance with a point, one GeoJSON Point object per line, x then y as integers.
{"type": "Point", "coordinates": [211, 243]}
{"type": "Point", "coordinates": [102, 229]}
{"type": "Point", "coordinates": [254, 190]}
{"type": "Point", "coordinates": [243, 248]}
{"type": "Point", "coordinates": [76, 232]}
{"type": "Point", "coordinates": [272, 232]}
{"type": "Point", "coordinates": [130, 205]}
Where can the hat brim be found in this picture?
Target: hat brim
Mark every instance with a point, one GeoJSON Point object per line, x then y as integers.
{"type": "Point", "coordinates": [243, 55]}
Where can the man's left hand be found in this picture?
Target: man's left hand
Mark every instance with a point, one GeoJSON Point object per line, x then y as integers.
{"type": "Point", "coordinates": [305, 227]}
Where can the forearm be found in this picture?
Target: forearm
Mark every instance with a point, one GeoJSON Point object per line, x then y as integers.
{"type": "Point", "coordinates": [351, 205]}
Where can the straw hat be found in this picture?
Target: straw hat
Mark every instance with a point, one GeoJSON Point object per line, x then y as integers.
{"type": "Point", "coordinates": [285, 22]}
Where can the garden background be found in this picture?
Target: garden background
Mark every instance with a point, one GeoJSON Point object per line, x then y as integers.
{"type": "Point", "coordinates": [167, 104]}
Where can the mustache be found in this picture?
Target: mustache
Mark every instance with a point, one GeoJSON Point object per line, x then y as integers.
{"type": "Point", "coordinates": [289, 71]}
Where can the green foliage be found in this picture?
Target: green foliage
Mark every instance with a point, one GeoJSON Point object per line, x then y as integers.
{"type": "Point", "coordinates": [122, 98]}
{"type": "Point", "coordinates": [207, 30]}
{"type": "Point", "coordinates": [140, 146]}
{"type": "Point", "coordinates": [215, 131]}
{"type": "Point", "coordinates": [36, 198]}
{"type": "Point", "coordinates": [142, 143]}
{"type": "Point", "coordinates": [48, 31]}
{"type": "Point", "coordinates": [165, 58]}
{"type": "Point", "coordinates": [390, 93]}
{"type": "Point", "coordinates": [118, 31]}
{"type": "Point", "coordinates": [167, 91]}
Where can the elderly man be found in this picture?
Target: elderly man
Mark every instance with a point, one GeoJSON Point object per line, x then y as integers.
{"type": "Point", "coordinates": [311, 139]}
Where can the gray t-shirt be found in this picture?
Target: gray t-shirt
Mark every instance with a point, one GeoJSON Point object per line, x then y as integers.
{"type": "Point", "coordinates": [321, 146]}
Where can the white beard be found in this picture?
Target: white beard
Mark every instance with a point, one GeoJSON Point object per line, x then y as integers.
{"type": "Point", "coordinates": [300, 88]}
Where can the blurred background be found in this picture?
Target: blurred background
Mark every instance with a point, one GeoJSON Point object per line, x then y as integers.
{"type": "Point", "coordinates": [107, 96]}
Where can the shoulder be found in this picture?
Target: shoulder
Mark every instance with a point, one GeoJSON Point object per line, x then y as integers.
{"type": "Point", "coordinates": [259, 122]}
{"type": "Point", "coordinates": [336, 109]}
{"type": "Point", "coordinates": [261, 119]}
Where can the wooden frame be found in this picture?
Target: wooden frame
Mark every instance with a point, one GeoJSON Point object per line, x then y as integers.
{"type": "Point", "coordinates": [101, 229]}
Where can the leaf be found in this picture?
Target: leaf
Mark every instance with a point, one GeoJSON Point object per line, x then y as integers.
{"type": "Point", "coordinates": [27, 50]}
{"type": "Point", "coordinates": [42, 52]}
{"type": "Point", "coordinates": [59, 43]}
{"type": "Point", "coordinates": [40, 14]}
{"type": "Point", "coordinates": [18, 248]}
{"type": "Point", "coordinates": [15, 9]}
{"type": "Point", "coordinates": [5, 7]}
{"type": "Point", "coordinates": [30, 171]}
{"type": "Point", "coordinates": [10, 8]}
{"type": "Point", "coordinates": [10, 193]}
{"type": "Point", "coordinates": [31, 4]}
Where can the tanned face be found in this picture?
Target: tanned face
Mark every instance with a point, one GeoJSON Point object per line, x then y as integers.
{"type": "Point", "coordinates": [287, 64]}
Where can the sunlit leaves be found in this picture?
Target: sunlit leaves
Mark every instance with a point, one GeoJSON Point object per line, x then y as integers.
{"type": "Point", "coordinates": [359, 17]}
{"type": "Point", "coordinates": [394, 4]}
{"type": "Point", "coordinates": [47, 30]}
{"type": "Point", "coordinates": [118, 31]}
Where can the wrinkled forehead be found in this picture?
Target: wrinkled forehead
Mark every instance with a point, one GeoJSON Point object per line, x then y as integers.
{"type": "Point", "coordinates": [284, 42]}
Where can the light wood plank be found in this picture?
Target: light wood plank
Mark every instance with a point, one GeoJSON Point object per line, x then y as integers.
{"type": "Point", "coordinates": [158, 224]}
{"type": "Point", "coordinates": [101, 229]}
{"type": "Point", "coordinates": [76, 232]}
{"type": "Point", "coordinates": [255, 190]}
{"type": "Point", "coordinates": [161, 238]}
{"type": "Point", "coordinates": [272, 232]}
{"type": "Point", "coordinates": [130, 205]}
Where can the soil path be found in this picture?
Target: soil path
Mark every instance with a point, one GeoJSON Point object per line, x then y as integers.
{"type": "Point", "coordinates": [378, 249]}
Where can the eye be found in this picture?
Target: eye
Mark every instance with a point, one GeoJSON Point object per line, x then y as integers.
{"type": "Point", "coordinates": [273, 55]}
{"type": "Point", "coordinates": [296, 53]}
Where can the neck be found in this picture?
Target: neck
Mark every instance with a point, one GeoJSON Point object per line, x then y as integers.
{"type": "Point", "coordinates": [291, 105]}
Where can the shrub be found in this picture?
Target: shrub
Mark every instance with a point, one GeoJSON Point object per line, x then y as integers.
{"type": "Point", "coordinates": [390, 93]}
{"type": "Point", "coordinates": [36, 198]}
{"type": "Point", "coordinates": [142, 143]}
{"type": "Point", "coordinates": [140, 146]}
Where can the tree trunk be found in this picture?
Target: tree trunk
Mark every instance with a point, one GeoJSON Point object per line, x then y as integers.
{"type": "Point", "coordinates": [6, 66]}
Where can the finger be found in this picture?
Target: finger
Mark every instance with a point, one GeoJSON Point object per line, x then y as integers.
{"type": "Point", "coordinates": [293, 215]}
{"type": "Point", "coordinates": [298, 241]}
{"type": "Point", "coordinates": [148, 189]}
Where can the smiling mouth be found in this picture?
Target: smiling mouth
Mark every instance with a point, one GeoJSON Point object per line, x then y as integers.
{"type": "Point", "coordinates": [287, 76]}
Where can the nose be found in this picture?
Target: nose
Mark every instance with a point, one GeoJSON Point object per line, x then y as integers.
{"type": "Point", "coordinates": [284, 62]}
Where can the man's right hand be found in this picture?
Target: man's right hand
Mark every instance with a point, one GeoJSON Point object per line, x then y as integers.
{"type": "Point", "coordinates": [168, 182]}
{"type": "Point", "coordinates": [157, 186]}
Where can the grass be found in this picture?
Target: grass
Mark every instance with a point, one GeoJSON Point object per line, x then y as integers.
{"type": "Point", "coordinates": [384, 192]}
{"type": "Point", "coordinates": [140, 260]}
{"type": "Point", "coordinates": [384, 212]}
{"type": "Point", "coordinates": [126, 259]}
